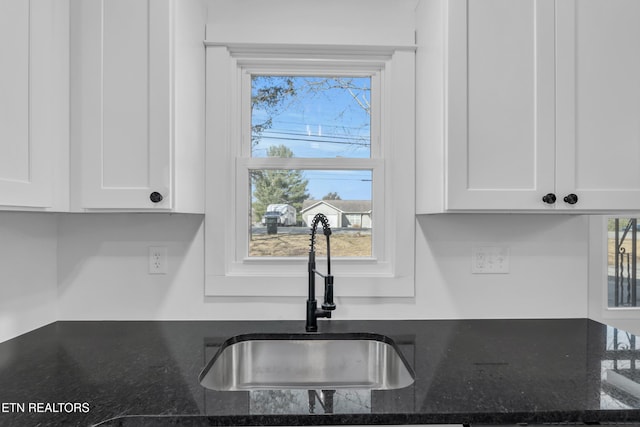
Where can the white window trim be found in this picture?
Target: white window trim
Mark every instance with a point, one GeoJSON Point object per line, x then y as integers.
{"type": "Point", "coordinates": [390, 271]}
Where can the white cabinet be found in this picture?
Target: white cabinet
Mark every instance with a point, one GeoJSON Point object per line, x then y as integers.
{"type": "Point", "coordinates": [500, 128]}
{"type": "Point", "coordinates": [540, 98]}
{"type": "Point", "coordinates": [138, 104]}
{"type": "Point", "coordinates": [598, 103]}
{"type": "Point", "coordinates": [34, 103]}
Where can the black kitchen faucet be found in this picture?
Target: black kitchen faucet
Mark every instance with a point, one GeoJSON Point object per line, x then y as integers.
{"type": "Point", "coordinates": [312, 305]}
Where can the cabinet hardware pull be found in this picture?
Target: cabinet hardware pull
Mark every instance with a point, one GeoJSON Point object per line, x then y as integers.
{"type": "Point", "coordinates": [571, 199]}
{"type": "Point", "coordinates": [155, 197]}
{"type": "Point", "coordinates": [549, 198]}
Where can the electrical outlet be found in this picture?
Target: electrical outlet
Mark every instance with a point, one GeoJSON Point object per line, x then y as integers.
{"type": "Point", "coordinates": [490, 260]}
{"type": "Point", "coordinates": [157, 260]}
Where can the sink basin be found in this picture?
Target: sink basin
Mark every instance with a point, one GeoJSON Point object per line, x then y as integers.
{"type": "Point", "coordinates": [307, 361]}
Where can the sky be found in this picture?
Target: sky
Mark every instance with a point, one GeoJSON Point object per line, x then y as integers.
{"type": "Point", "coordinates": [322, 123]}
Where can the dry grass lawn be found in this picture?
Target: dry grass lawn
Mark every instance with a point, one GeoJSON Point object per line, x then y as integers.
{"type": "Point", "coordinates": [288, 245]}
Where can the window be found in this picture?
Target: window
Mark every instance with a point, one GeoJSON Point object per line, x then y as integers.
{"type": "Point", "coordinates": [622, 263]}
{"type": "Point", "coordinates": [302, 117]}
{"type": "Point", "coordinates": [343, 146]}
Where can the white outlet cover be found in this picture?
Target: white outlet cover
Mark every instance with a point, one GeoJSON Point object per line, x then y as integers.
{"type": "Point", "coordinates": [157, 260]}
{"type": "Point", "coordinates": [490, 260]}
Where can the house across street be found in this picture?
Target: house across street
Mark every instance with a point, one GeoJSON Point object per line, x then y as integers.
{"type": "Point", "coordinates": [340, 213]}
{"type": "Point", "coordinates": [261, 229]}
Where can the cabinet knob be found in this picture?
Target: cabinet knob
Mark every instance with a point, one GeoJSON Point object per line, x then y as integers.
{"type": "Point", "coordinates": [571, 199]}
{"type": "Point", "coordinates": [155, 197]}
{"type": "Point", "coordinates": [549, 198]}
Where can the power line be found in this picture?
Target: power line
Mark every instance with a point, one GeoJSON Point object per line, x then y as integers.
{"type": "Point", "coordinates": [316, 140]}
{"type": "Point", "coordinates": [303, 134]}
{"type": "Point", "coordinates": [323, 125]}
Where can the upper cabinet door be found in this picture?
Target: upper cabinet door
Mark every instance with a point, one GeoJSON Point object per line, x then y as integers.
{"type": "Point", "coordinates": [500, 120]}
{"type": "Point", "coordinates": [125, 118]}
{"type": "Point", "coordinates": [598, 95]}
{"type": "Point", "coordinates": [33, 100]}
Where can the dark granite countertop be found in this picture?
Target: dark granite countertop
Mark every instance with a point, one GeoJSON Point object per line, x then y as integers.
{"type": "Point", "coordinates": [467, 371]}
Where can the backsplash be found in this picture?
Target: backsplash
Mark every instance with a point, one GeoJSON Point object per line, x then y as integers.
{"type": "Point", "coordinates": [95, 267]}
{"type": "Point", "coordinates": [103, 271]}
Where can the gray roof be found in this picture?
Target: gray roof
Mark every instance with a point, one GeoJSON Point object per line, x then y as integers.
{"type": "Point", "coordinates": [345, 206]}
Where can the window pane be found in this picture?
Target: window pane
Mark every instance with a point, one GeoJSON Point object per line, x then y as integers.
{"type": "Point", "coordinates": [313, 117]}
{"type": "Point", "coordinates": [284, 202]}
{"type": "Point", "coordinates": [622, 262]}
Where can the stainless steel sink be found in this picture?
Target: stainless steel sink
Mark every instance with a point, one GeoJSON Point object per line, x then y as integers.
{"type": "Point", "coordinates": [307, 361]}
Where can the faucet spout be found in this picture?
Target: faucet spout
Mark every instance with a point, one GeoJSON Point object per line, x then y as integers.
{"type": "Point", "coordinates": [313, 313]}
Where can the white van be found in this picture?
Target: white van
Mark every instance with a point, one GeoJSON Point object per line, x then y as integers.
{"type": "Point", "coordinates": [285, 214]}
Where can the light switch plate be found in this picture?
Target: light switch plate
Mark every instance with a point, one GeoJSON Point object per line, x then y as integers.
{"type": "Point", "coordinates": [490, 260]}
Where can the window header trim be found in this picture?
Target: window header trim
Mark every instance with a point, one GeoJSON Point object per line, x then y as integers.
{"type": "Point", "coordinates": [262, 49]}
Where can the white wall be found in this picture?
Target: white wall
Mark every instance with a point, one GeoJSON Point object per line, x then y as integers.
{"type": "Point", "coordinates": [103, 266]}
{"type": "Point", "coordinates": [28, 290]}
{"type": "Point", "coordinates": [548, 266]}
{"type": "Point", "coordinates": [103, 271]}
{"type": "Point", "coordinates": [361, 22]}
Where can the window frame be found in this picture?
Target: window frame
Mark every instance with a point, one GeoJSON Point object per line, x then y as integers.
{"type": "Point", "coordinates": [604, 234]}
{"type": "Point", "coordinates": [246, 162]}
{"type": "Point", "coordinates": [229, 270]}
{"type": "Point", "coordinates": [598, 272]}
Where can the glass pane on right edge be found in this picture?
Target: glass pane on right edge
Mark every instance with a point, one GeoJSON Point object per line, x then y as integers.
{"type": "Point", "coordinates": [622, 262]}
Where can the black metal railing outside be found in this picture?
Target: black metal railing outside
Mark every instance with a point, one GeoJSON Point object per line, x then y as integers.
{"type": "Point", "coordinates": [625, 268]}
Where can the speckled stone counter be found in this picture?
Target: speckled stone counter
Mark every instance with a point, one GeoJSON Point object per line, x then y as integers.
{"type": "Point", "coordinates": [467, 371]}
